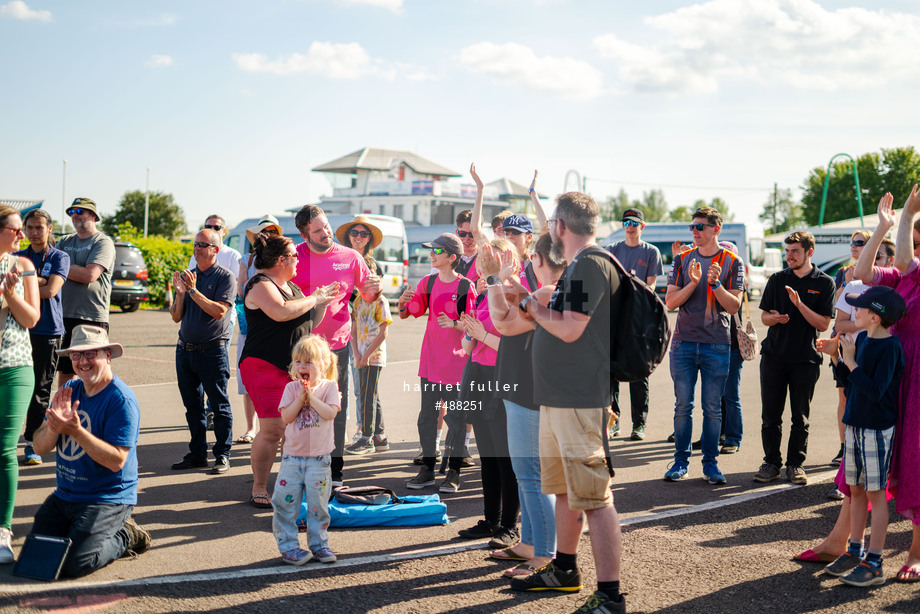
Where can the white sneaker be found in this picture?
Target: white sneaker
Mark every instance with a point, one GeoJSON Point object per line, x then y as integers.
{"type": "Point", "coordinates": [6, 546]}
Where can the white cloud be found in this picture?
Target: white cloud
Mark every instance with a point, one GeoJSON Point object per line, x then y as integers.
{"type": "Point", "coordinates": [519, 65]}
{"type": "Point", "coordinates": [332, 60]}
{"type": "Point", "coordinates": [17, 9]}
{"type": "Point", "coordinates": [791, 42]}
{"type": "Point", "coordinates": [392, 5]}
{"type": "Point", "coordinates": [159, 61]}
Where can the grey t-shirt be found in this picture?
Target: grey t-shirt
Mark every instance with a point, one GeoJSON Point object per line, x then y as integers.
{"type": "Point", "coordinates": [643, 260]}
{"type": "Point", "coordinates": [88, 301]}
{"type": "Point", "coordinates": [702, 319]}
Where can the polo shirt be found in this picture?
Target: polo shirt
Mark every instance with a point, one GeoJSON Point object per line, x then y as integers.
{"type": "Point", "coordinates": [50, 261]}
{"type": "Point", "coordinates": [794, 341]}
{"type": "Point", "coordinates": [216, 284]}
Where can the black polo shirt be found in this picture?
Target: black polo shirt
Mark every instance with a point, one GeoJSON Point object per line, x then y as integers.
{"type": "Point", "coordinates": [795, 341]}
{"type": "Point", "coordinates": [216, 284]}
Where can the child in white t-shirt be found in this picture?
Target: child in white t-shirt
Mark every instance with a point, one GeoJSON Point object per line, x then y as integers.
{"type": "Point", "coordinates": [308, 407]}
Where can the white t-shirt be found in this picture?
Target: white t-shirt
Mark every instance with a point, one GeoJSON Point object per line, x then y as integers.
{"type": "Point", "coordinates": [853, 287]}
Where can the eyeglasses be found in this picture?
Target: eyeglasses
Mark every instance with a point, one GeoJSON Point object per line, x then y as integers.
{"type": "Point", "coordinates": [553, 220]}
{"type": "Point", "coordinates": [437, 251]}
{"type": "Point", "coordinates": [858, 243]}
{"type": "Point", "coordinates": [512, 232]}
{"type": "Point", "coordinates": [700, 227]}
{"type": "Point", "coordinates": [359, 233]}
{"type": "Point", "coordinates": [213, 226]}
{"type": "Point", "coordinates": [880, 256]}
{"type": "Point", "coordinates": [463, 234]}
{"type": "Point", "coordinates": [76, 211]}
{"type": "Point", "coordinates": [630, 224]}
{"type": "Point", "coordinates": [88, 354]}
{"type": "Point", "coordinates": [16, 231]}
{"type": "Point", "coordinates": [203, 245]}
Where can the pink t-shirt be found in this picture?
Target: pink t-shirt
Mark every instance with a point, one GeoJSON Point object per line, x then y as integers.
{"type": "Point", "coordinates": [309, 434]}
{"type": "Point", "coordinates": [442, 357]}
{"type": "Point", "coordinates": [341, 264]}
{"type": "Point", "coordinates": [482, 353]}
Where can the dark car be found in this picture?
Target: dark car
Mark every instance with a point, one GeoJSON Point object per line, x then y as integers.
{"type": "Point", "coordinates": [129, 278]}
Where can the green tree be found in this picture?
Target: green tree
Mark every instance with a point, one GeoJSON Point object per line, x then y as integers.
{"type": "Point", "coordinates": [166, 218]}
{"type": "Point", "coordinates": [716, 203]}
{"type": "Point", "coordinates": [653, 205]}
{"type": "Point", "coordinates": [612, 209]}
{"type": "Point", "coordinates": [681, 213]}
{"type": "Point", "coordinates": [892, 170]}
{"type": "Point", "coordinates": [781, 213]}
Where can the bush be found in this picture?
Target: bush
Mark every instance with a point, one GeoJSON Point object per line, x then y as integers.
{"type": "Point", "coordinates": [163, 256]}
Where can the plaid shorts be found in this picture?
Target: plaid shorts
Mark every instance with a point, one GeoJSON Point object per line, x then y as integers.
{"type": "Point", "coordinates": [868, 457]}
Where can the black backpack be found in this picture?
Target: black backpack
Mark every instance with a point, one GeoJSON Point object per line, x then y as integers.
{"type": "Point", "coordinates": [462, 290]}
{"type": "Point", "coordinates": [641, 333]}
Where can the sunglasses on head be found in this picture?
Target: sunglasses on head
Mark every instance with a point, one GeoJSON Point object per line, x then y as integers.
{"type": "Point", "coordinates": [858, 243]}
{"type": "Point", "coordinates": [213, 226]}
{"type": "Point", "coordinates": [463, 234]}
{"type": "Point", "coordinates": [76, 211]}
{"type": "Point", "coordinates": [438, 251]}
{"type": "Point", "coordinates": [700, 226]}
{"type": "Point", "coordinates": [631, 224]}
{"type": "Point", "coordinates": [88, 354]}
{"type": "Point", "coordinates": [359, 233]}
{"type": "Point", "coordinates": [203, 245]}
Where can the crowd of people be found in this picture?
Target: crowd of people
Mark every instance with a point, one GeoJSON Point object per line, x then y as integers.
{"type": "Point", "coordinates": [510, 353]}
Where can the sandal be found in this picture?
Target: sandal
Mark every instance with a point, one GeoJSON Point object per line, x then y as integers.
{"type": "Point", "coordinates": [247, 438]}
{"type": "Point", "coordinates": [909, 574]}
{"type": "Point", "coordinates": [507, 554]}
{"type": "Point", "coordinates": [519, 571]}
{"type": "Point", "coordinates": [262, 501]}
{"type": "Point", "coordinates": [810, 556]}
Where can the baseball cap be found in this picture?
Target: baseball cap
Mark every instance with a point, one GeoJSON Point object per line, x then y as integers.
{"type": "Point", "coordinates": [634, 215]}
{"type": "Point", "coordinates": [517, 221]}
{"type": "Point", "coordinates": [880, 300]}
{"type": "Point", "coordinates": [83, 203]}
{"type": "Point", "coordinates": [448, 241]}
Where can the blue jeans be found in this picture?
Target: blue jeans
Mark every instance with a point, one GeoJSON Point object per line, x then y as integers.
{"type": "Point", "coordinates": [538, 516]}
{"type": "Point", "coordinates": [731, 401]}
{"type": "Point", "coordinates": [199, 373]}
{"type": "Point", "coordinates": [96, 531]}
{"type": "Point", "coordinates": [299, 476]}
{"type": "Point", "coordinates": [710, 361]}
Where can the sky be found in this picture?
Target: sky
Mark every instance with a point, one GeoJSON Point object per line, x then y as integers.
{"type": "Point", "coordinates": [230, 103]}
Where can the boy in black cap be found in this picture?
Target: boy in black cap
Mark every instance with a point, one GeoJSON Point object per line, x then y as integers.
{"type": "Point", "coordinates": [871, 370]}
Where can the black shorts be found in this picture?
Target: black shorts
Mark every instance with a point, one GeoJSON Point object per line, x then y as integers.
{"type": "Point", "coordinates": [64, 364]}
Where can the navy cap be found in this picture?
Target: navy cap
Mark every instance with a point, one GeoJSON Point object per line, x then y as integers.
{"type": "Point", "coordinates": [517, 221]}
{"type": "Point", "coordinates": [880, 300]}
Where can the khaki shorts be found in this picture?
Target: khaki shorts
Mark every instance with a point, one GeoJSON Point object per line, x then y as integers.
{"type": "Point", "coordinates": [572, 458]}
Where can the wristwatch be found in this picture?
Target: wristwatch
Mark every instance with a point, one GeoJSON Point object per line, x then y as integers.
{"type": "Point", "coordinates": [192, 291]}
{"type": "Point", "coordinates": [493, 280]}
{"type": "Point", "coordinates": [523, 304]}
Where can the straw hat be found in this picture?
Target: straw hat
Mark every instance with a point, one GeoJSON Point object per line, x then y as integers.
{"type": "Point", "coordinates": [266, 221]}
{"type": "Point", "coordinates": [376, 235]}
{"type": "Point", "coordinates": [86, 337]}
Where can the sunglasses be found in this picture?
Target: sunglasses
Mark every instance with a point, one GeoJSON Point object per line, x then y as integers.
{"type": "Point", "coordinates": [213, 226]}
{"type": "Point", "coordinates": [700, 227]}
{"type": "Point", "coordinates": [88, 354]}
{"type": "Point", "coordinates": [512, 232]}
{"type": "Point", "coordinates": [203, 245]}
{"type": "Point", "coordinates": [76, 211]}
{"type": "Point", "coordinates": [438, 251]}
{"type": "Point", "coordinates": [359, 233]}
{"type": "Point", "coordinates": [16, 231]}
{"type": "Point", "coordinates": [631, 224]}
{"type": "Point", "coordinates": [287, 256]}
{"type": "Point", "coordinates": [463, 234]}
{"type": "Point", "coordinates": [858, 243]}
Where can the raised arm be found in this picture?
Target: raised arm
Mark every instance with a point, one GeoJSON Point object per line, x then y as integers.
{"type": "Point", "coordinates": [903, 247]}
{"type": "Point", "coordinates": [537, 205]}
{"type": "Point", "coordinates": [476, 219]}
{"type": "Point", "coordinates": [863, 270]}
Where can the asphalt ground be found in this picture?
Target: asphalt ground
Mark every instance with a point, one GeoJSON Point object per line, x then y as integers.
{"type": "Point", "coordinates": [687, 547]}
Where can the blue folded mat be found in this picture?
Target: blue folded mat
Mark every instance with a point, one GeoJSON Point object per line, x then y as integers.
{"type": "Point", "coordinates": [417, 511]}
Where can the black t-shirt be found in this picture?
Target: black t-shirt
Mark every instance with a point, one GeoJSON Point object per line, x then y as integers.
{"type": "Point", "coordinates": [268, 339]}
{"type": "Point", "coordinates": [514, 366]}
{"type": "Point", "coordinates": [795, 341]}
{"type": "Point", "coordinates": [577, 374]}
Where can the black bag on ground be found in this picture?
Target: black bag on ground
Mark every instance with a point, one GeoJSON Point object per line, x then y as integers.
{"type": "Point", "coordinates": [365, 495]}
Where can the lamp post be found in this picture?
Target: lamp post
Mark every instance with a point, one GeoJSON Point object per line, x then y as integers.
{"type": "Point", "coordinates": [147, 202]}
{"type": "Point", "coordinates": [827, 178]}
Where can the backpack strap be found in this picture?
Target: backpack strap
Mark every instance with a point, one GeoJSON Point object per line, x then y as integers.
{"type": "Point", "coordinates": [462, 291]}
{"type": "Point", "coordinates": [531, 276]}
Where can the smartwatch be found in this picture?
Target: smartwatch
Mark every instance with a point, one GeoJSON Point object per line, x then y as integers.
{"type": "Point", "coordinates": [192, 291]}
{"type": "Point", "coordinates": [523, 304]}
{"type": "Point", "coordinates": [493, 280]}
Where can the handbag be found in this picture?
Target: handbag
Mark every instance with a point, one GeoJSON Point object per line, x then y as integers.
{"type": "Point", "coordinates": [747, 336]}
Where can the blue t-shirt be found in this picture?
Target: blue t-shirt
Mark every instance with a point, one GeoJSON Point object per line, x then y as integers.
{"type": "Point", "coordinates": [872, 388]}
{"type": "Point", "coordinates": [112, 415]}
{"type": "Point", "coordinates": [49, 262]}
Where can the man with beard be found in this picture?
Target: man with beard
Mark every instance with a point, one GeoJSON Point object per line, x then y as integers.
{"type": "Point", "coordinates": [571, 367]}
{"type": "Point", "coordinates": [87, 292]}
{"type": "Point", "coordinates": [797, 304]}
{"type": "Point", "coordinates": [321, 262]}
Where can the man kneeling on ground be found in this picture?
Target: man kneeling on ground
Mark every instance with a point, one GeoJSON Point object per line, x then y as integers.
{"type": "Point", "coordinates": [94, 423]}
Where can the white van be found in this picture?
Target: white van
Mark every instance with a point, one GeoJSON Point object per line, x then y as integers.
{"type": "Point", "coordinates": [392, 253]}
{"type": "Point", "coordinates": [662, 235]}
{"type": "Point", "coordinates": [832, 245]}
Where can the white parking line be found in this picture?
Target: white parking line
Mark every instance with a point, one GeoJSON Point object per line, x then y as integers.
{"type": "Point", "coordinates": [26, 589]}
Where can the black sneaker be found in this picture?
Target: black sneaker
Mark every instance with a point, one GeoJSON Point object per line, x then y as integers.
{"type": "Point", "coordinates": [381, 444]}
{"type": "Point", "coordinates": [835, 462]}
{"type": "Point", "coordinates": [505, 538]}
{"type": "Point", "coordinates": [362, 446]}
{"type": "Point", "coordinates": [638, 433]}
{"type": "Point", "coordinates": [599, 603]}
{"type": "Point", "coordinates": [480, 530]}
{"type": "Point", "coordinates": [424, 478]}
{"type": "Point", "coordinates": [221, 465]}
{"type": "Point", "coordinates": [766, 473]}
{"type": "Point", "coordinates": [549, 578]}
{"type": "Point", "coordinates": [190, 462]}
{"type": "Point", "coordinates": [139, 539]}
{"type": "Point", "coordinates": [451, 483]}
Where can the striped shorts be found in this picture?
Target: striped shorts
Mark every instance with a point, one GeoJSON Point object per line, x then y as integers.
{"type": "Point", "coordinates": [868, 457]}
